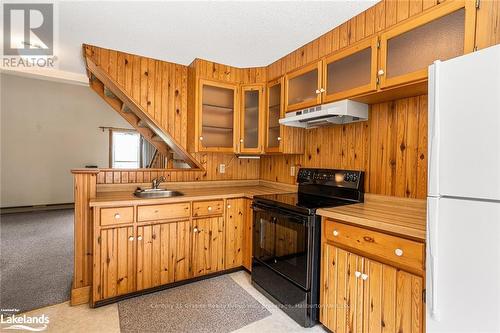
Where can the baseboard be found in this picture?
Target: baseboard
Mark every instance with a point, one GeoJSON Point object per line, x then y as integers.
{"type": "Point", "coordinates": [80, 295]}
{"type": "Point", "coordinates": [36, 208]}
{"type": "Point", "coordinates": [164, 287]}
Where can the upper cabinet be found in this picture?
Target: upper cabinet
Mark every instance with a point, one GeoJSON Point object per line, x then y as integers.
{"type": "Point", "coordinates": [351, 72]}
{"type": "Point", "coordinates": [409, 48]}
{"type": "Point", "coordinates": [218, 111]}
{"type": "Point", "coordinates": [303, 87]}
{"type": "Point", "coordinates": [251, 119]}
{"type": "Point", "coordinates": [279, 138]}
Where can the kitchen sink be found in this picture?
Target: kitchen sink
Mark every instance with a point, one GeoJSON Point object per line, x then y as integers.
{"type": "Point", "coordinates": [156, 193]}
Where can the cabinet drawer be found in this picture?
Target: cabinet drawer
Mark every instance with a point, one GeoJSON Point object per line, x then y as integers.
{"type": "Point", "coordinates": [117, 215]}
{"type": "Point", "coordinates": [398, 250]}
{"type": "Point", "coordinates": [163, 212]}
{"type": "Point", "coordinates": [208, 208]}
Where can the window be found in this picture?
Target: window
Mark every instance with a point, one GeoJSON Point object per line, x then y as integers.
{"type": "Point", "coordinates": [125, 149]}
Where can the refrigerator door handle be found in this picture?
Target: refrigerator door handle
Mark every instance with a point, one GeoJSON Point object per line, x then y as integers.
{"type": "Point", "coordinates": [432, 255]}
{"type": "Point", "coordinates": [433, 130]}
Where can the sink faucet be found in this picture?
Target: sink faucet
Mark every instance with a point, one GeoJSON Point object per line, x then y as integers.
{"type": "Point", "coordinates": [155, 184]}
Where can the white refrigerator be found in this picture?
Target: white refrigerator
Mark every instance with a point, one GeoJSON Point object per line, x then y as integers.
{"type": "Point", "coordinates": [463, 203]}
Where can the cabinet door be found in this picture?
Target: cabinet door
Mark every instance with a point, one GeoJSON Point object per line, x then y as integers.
{"type": "Point", "coordinates": [251, 132]}
{"type": "Point", "coordinates": [162, 254]}
{"type": "Point", "coordinates": [279, 138]}
{"type": "Point", "coordinates": [351, 72]}
{"type": "Point", "coordinates": [235, 218]}
{"type": "Point", "coordinates": [208, 245]}
{"type": "Point", "coordinates": [341, 290]}
{"type": "Point", "coordinates": [114, 271]}
{"type": "Point", "coordinates": [408, 49]}
{"type": "Point", "coordinates": [303, 87]}
{"type": "Point", "coordinates": [274, 111]}
{"type": "Point", "coordinates": [218, 106]}
{"type": "Point", "coordinates": [247, 235]}
{"type": "Point", "coordinates": [392, 299]}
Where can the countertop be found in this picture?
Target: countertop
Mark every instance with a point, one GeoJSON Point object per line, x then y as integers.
{"type": "Point", "coordinates": [399, 216]}
{"type": "Point", "coordinates": [114, 198]}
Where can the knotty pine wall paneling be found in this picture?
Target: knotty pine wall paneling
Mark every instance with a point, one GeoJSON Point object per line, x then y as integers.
{"type": "Point", "coordinates": [161, 88]}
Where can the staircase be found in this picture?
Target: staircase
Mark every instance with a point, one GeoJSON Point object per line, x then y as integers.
{"type": "Point", "coordinates": [133, 112]}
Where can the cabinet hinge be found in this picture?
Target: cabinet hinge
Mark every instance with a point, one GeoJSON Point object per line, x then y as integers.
{"type": "Point", "coordinates": [378, 43]}
{"type": "Point", "coordinates": [99, 240]}
{"type": "Point", "coordinates": [478, 3]}
{"type": "Point", "coordinates": [378, 80]}
{"type": "Point", "coordinates": [423, 296]}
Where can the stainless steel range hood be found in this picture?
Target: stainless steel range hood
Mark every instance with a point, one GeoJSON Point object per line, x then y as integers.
{"type": "Point", "coordinates": [341, 112]}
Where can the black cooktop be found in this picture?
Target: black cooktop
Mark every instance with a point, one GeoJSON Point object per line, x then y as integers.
{"type": "Point", "coordinates": [318, 188]}
{"type": "Point", "coordinates": [303, 203]}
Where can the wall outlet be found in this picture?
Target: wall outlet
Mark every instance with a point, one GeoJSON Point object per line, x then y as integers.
{"type": "Point", "coordinates": [222, 168]}
{"type": "Point", "coordinates": [292, 171]}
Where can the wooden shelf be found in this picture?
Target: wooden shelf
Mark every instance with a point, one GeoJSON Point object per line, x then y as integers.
{"type": "Point", "coordinates": [218, 108]}
{"type": "Point", "coordinates": [217, 128]}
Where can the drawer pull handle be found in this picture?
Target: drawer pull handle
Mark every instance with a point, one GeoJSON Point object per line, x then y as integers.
{"type": "Point", "coordinates": [279, 138]}
{"type": "Point", "coordinates": [317, 91]}
{"type": "Point", "coordinates": [117, 216]}
{"type": "Point", "coordinates": [357, 274]}
{"type": "Point", "coordinates": [228, 206]}
{"type": "Point", "coordinates": [322, 90]}
{"type": "Point", "coordinates": [335, 233]}
{"type": "Point", "coordinates": [209, 208]}
{"type": "Point", "coordinates": [398, 252]}
{"type": "Point", "coordinates": [139, 238]}
{"type": "Point", "coordinates": [131, 238]}
{"type": "Point", "coordinates": [364, 276]}
{"type": "Point", "coordinates": [380, 72]}
{"type": "Point", "coordinates": [369, 239]}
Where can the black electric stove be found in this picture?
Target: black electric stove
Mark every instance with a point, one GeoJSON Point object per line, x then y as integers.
{"type": "Point", "coordinates": [287, 236]}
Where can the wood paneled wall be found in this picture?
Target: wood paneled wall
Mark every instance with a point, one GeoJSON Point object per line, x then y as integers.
{"type": "Point", "coordinates": [161, 89]}
{"type": "Point", "coordinates": [391, 147]}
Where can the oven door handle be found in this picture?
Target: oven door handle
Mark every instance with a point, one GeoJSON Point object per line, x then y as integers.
{"type": "Point", "coordinates": [262, 208]}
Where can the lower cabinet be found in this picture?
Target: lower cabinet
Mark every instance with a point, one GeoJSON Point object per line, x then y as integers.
{"type": "Point", "coordinates": [162, 253]}
{"type": "Point", "coordinates": [208, 245]}
{"type": "Point", "coordinates": [362, 295]}
{"type": "Point", "coordinates": [114, 260]}
{"type": "Point", "coordinates": [131, 256]}
{"type": "Point", "coordinates": [235, 219]}
{"type": "Point", "coordinates": [247, 235]}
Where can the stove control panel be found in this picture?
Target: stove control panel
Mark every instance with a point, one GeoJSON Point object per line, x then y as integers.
{"type": "Point", "coordinates": [331, 177]}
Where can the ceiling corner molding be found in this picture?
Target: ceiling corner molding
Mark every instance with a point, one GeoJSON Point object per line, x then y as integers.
{"type": "Point", "coordinates": [53, 75]}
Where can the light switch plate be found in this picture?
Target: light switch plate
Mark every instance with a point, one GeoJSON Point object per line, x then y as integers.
{"type": "Point", "coordinates": [222, 168]}
{"type": "Point", "coordinates": [292, 171]}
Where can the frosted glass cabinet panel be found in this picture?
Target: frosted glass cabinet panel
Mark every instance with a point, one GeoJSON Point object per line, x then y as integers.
{"type": "Point", "coordinates": [218, 102]}
{"type": "Point", "coordinates": [352, 71]}
{"type": "Point", "coordinates": [274, 113]}
{"type": "Point", "coordinates": [409, 49]}
{"type": "Point", "coordinates": [303, 87]}
{"type": "Point", "coordinates": [251, 108]}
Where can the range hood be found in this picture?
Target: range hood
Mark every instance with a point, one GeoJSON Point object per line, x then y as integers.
{"type": "Point", "coordinates": [341, 112]}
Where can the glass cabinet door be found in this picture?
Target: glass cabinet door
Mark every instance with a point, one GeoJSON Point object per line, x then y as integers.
{"type": "Point", "coordinates": [351, 72]}
{"type": "Point", "coordinates": [251, 106]}
{"type": "Point", "coordinates": [303, 87]}
{"type": "Point", "coordinates": [218, 102]}
{"type": "Point", "coordinates": [274, 113]}
{"type": "Point", "coordinates": [408, 50]}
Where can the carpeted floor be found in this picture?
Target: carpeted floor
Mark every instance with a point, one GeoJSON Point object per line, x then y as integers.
{"type": "Point", "coordinates": [36, 259]}
{"type": "Point", "coordinates": [214, 305]}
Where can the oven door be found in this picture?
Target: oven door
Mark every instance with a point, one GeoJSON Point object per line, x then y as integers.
{"type": "Point", "coordinates": [281, 241]}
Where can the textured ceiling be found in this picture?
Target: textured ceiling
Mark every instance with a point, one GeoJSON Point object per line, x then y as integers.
{"type": "Point", "coordinates": [243, 34]}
